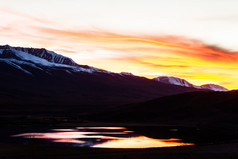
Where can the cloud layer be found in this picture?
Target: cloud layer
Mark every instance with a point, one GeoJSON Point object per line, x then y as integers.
{"type": "Point", "coordinates": [145, 55]}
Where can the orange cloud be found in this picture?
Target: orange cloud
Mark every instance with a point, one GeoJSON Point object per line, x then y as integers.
{"type": "Point", "coordinates": [178, 45]}
{"type": "Point", "coordinates": [146, 55]}
{"type": "Point", "coordinates": [143, 55]}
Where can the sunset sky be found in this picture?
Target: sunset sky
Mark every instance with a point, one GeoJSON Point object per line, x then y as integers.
{"type": "Point", "coordinates": [196, 40]}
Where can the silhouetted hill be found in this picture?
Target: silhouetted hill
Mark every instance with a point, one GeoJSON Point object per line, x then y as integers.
{"type": "Point", "coordinates": [187, 108]}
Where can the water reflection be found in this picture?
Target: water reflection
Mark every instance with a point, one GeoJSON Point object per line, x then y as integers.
{"type": "Point", "coordinates": [141, 142]}
{"type": "Point", "coordinates": [103, 137]}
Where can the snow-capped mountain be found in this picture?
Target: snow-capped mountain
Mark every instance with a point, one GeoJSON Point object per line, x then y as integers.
{"type": "Point", "coordinates": [44, 60]}
{"type": "Point", "coordinates": [19, 57]}
{"type": "Point", "coordinates": [173, 80]}
{"type": "Point", "coordinates": [32, 76]}
{"type": "Point", "coordinates": [39, 56]}
{"type": "Point", "coordinates": [182, 82]}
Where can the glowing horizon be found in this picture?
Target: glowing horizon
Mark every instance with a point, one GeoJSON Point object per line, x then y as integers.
{"type": "Point", "coordinates": [148, 38]}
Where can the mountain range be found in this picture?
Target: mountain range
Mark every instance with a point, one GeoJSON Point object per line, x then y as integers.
{"type": "Point", "coordinates": [36, 79]}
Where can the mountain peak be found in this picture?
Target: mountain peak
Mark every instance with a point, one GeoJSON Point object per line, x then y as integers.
{"type": "Point", "coordinates": [173, 80]}
{"type": "Point", "coordinates": [33, 54]}
{"type": "Point", "coordinates": [126, 74]}
{"type": "Point", "coordinates": [181, 82]}
{"type": "Point", "coordinates": [5, 47]}
{"type": "Point", "coordinates": [40, 59]}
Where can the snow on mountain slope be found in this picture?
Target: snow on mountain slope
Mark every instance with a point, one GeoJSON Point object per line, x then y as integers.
{"type": "Point", "coordinates": [38, 58]}
{"type": "Point", "coordinates": [12, 63]}
{"type": "Point", "coordinates": [37, 55]}
{"type": "Point", "coordinates": [184, 83]}
{"type": "Point", "coordinates": [213, 87]}
{"type": "Point", "coordinates": [173, 80]}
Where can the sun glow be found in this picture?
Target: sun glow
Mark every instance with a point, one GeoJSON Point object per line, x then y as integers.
{"type": "Point", "coordinates": [147, 39]}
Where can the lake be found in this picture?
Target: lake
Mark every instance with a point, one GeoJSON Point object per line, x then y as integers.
{"type": "Point", "coordinates": [97, 137]}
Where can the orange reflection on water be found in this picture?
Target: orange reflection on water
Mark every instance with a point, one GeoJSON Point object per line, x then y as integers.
{"type": "Point", "coordinates": [103, 137]}
{"type": "Point", "coordinates": [141, 142]}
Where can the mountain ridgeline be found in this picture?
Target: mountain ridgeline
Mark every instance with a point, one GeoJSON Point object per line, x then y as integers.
{"type": "Point", "coordinates": [182, 82]}
{"type": "Point", "coordinates": [20, 53]}
{"type": "Point", "coordinates": [39, 79]}
{"type": "Point", "coordinates": [213, 108]}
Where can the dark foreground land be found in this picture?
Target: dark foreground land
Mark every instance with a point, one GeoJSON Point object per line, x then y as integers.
{"type": "Point", "coordinates": [206, 118]}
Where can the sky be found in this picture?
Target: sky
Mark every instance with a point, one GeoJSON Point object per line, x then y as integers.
{"type": "Point", "coordinates": [196, 40]}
